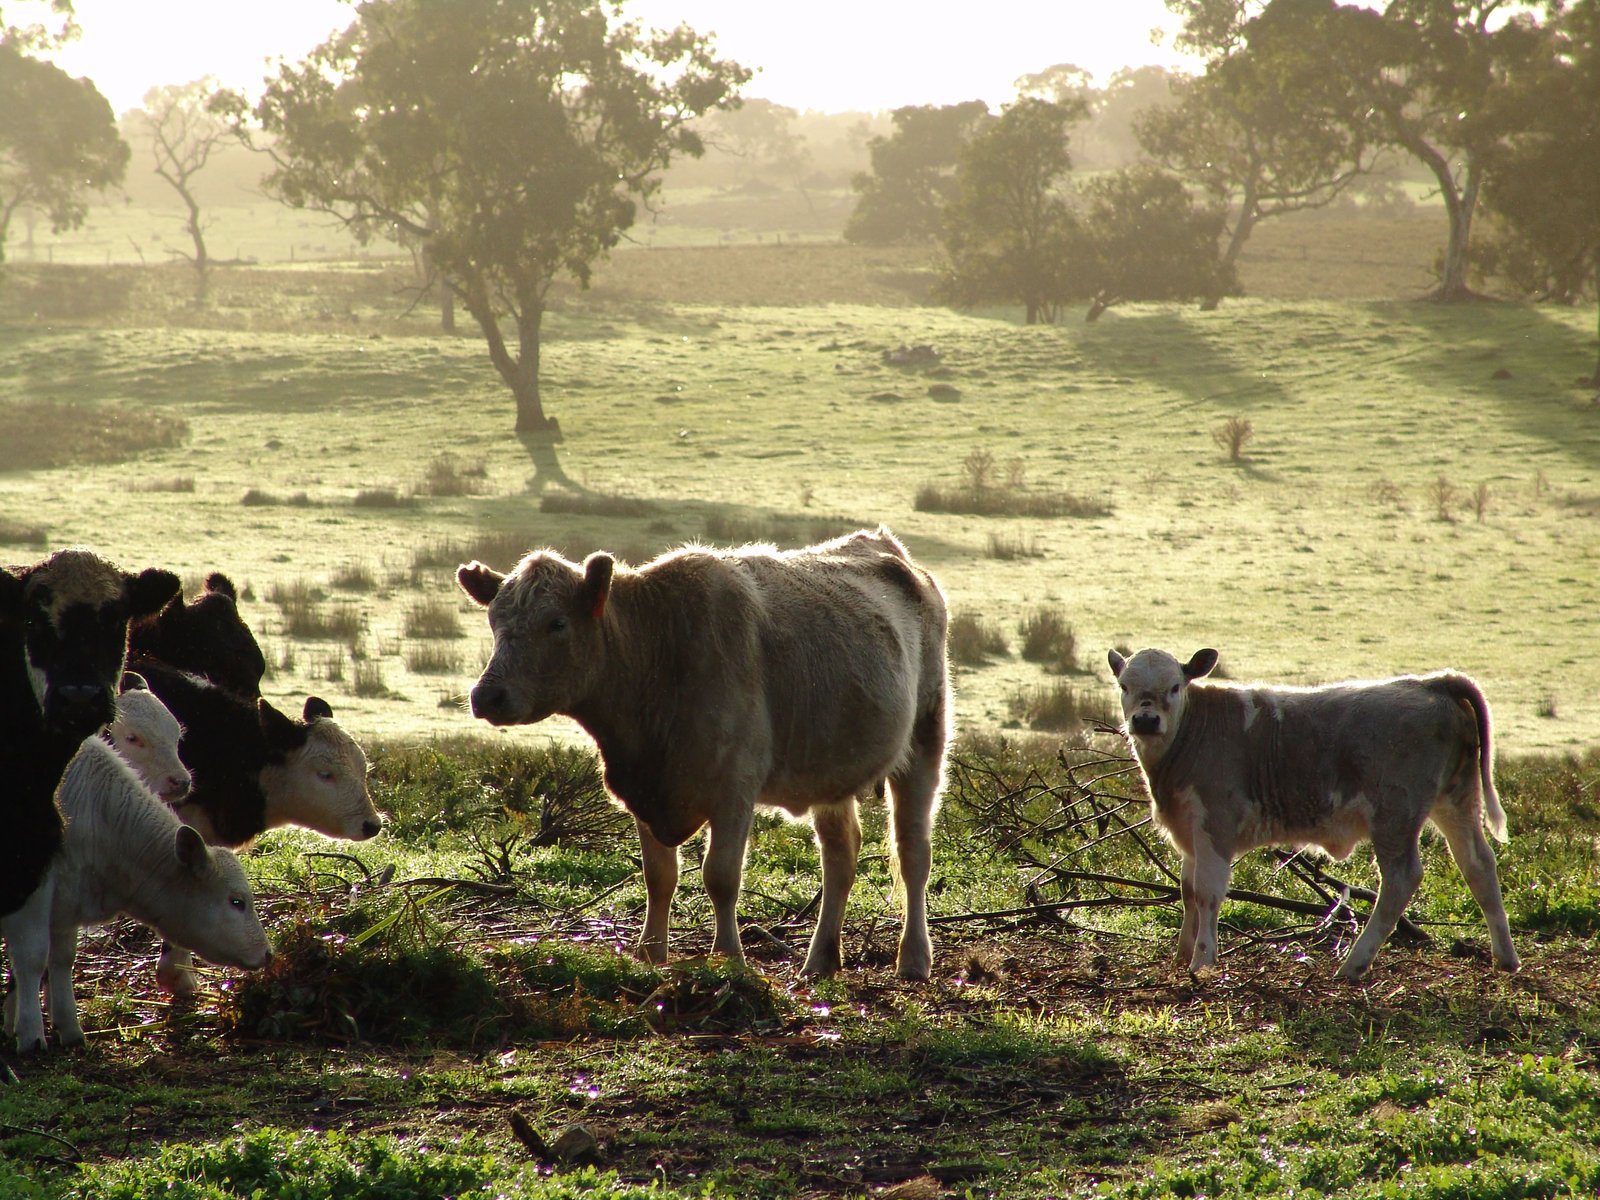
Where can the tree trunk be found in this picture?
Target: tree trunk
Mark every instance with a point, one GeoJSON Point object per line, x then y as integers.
{"type": "Point", "coordinates": [1459, 203]}
{"type": "Point", "coordinates": [1242, 229]}
{"type": "Point", "coordinates": [201, 262]}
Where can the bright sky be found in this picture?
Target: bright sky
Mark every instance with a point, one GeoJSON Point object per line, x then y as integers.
{"type": "Point", "coordinates": [841, 55]}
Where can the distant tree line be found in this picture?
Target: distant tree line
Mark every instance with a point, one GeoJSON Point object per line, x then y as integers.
{"type": "Point", "coordinates": [1300, 102]}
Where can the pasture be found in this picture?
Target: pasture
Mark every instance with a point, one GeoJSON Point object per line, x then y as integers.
{"type": "Point", "coordinates": [1419, 487]}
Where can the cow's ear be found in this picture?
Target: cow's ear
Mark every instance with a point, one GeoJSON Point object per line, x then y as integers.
{"type": "Point", "coordinates": [317, 707]}
{"type": "Point", "coordinates": [223, 586]}
{"type": "Point", "coordinates": [480, 582]}
{"type": "Point", "coordinates": [150, 589]}
{"type": "Point", "coordinates": [192, 850]}
{"type": "Point", "coordinates": [597, 569]}
{"type": "Point", "coordinates": [280, 732]}
{"type": "Point", "coordinates": [132, 681]}
{"type": "Point", "coordinates": [1201, 664]}
{"type": "Point", "coordinates": [1117, 663]}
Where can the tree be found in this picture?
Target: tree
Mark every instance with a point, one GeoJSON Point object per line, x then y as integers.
{"type": "Point", "coordinates": [58, 141]}
{"type": "Point", "coordinates": [38, 35]}
{"type": "Point", "coordinates": [1272, 127]}
{"type": "Point", "coordinates": [912, 175]}
{"type": "Point", "coordinates": [1005, 229]}
{"type": "Point", "coordinates": [1432, 73]}
{"type": "Point", "coordinates": [514, 139]}
{"type": "Point", "coordinates": [183, 134]}
{"type": "Point", "coordinates": [1141, 236]}
{"type": "Point", "coordinates": [1543, 184]}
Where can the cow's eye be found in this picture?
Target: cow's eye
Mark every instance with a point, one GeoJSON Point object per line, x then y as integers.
{"type": "Point", "coordinates": [558, 624]}
{"type": "Point", "coordinates": [133, 739]}
{"type": "Point", "coordinates": [238, 902]}
{"type": "Point", "coordinates": [1176, 688]}
{"type": "Point", "coordinates": [325, 776]}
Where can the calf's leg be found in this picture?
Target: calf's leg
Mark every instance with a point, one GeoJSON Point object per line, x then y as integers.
{"type": "Point", "coordinates": [175, 971]}
{"type": "Point", "coordinates": [1208, 885]}
{"type": "Point", "coordinates": [839, 838]}
{"type": "Point", "coordinates": [723, 871]}
{"type": "Point", "coordinates": [1463, 833]}
{"type": "Point", "coordinates": [1191, 911]}
{"type": "Point", "coordinates": [27, 934]}
{"type": "Point", "coordinates": [660, 881]}
{"type": "Point", "coordinates": [63, 1006]}
{"type": "Point", "coordinates": [1400, 870]}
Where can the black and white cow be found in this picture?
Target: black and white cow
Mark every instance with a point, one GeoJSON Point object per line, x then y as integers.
{"type": "Point", "coordinates": [63, 642]}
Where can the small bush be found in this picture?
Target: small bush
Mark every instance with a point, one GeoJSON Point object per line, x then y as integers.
{"type": "Point", "coordinates": [446, 476]}
{"type": "Point", "coordinates": [1009, 547]}
{"type": "Point", "coordinates": [972, 640]}
{"type": "Point", "coordinates": [1443, 493]}
{"type": "Point", "coordinates": [368, 680]}
{"type": "Point", "coordinates": [1233, 435]}
{"type": "Point", "coordinates": [1048, 638]}
{"type": "Point", "coordinates": [306, 615]}
{"type": "Point", "coordinates": [1060, 708]}
{"type": "Point", "coordinates": [432, 617]}
{"type": "Point", "coordinates": [354, 577]}
{"type": "Point", "coordinates": [380, 498]}
{"type": "Point", "coordinates": [430, 658]}
{"type": "Point", "coordinates": [41, 434]}
{"type": "Point", "coordinates": [595, 504]}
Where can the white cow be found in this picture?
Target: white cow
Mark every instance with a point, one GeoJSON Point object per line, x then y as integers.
{"type": "Point", "coordinates": [1232, 767]}
{"type": "Point", "coordinates": [124, 852]}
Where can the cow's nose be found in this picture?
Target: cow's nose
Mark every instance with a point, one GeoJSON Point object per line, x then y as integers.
{"type": "Point", "coordinates": [1145, 722]}
{"type": "Point", "coordinates": [78, 695]}
{"type": "Point", "coordinates": [371, 829]}
{"type": "Point", "coordinates": [177, 788]}
{"type": "Point", "coordinates": [488, 699]}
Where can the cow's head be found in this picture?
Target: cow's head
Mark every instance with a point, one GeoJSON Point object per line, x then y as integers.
{"type": "Point", "coordinates": [1154, 685]}
{"type": "Point", "coordinates": [206, 637]}
{"type": "Point", "coordinates": [317, 774]}
{"type": "Point", "coordinates": [146, 734]}
{"type": "Point", "coordinates": [71, 613]}
{"type": "Point", "coordinates": [546, 618]}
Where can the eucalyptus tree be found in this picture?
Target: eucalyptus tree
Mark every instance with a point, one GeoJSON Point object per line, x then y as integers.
{"type": "Point", "coordinates": [183, 134]}
{"type": "Point", "coordinates": [515, 140]}
{"type": "Point", "coordinates": [913, 173]}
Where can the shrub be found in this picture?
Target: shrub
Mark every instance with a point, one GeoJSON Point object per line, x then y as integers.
{"type": "Point", "coordinates": [1233, 435]}
{"type": "Point", "coordinates": [305, 614]}
{"type": "Point", "coordinates": [983, 492]}
{"type": "Point", "coordinates": [383, 497]}
{"type": "Point", "coordinates": [1060, 708]}
{"type": "Point", "coordinates": [1009, 547]}
{"type": "Point", "coordinates": [430, 658]}
{"type": "Point", "coordinates": [972, 639]}
{"type": "Point", "coordinates": [1048, 638]}
{"type": "Point", "coordinates": [445, 476]}
{"type": "Point", "coordinates": [433, 617]}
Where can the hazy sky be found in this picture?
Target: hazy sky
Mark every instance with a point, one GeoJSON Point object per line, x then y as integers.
{"type": "Point", "coordinates": [842, 55]}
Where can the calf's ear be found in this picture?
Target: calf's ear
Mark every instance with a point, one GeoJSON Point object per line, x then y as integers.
{"type": "Point", "coordinates": [480, 582]}
{"type": "Point", "coordinates": [280, 732]}
{"type": "Point", "coordinates": [317, 707]}
{"type": "Point", "coordinates": [149, 590]}
{"type": "Point", "coordinates": [132, 681]}
{"type": "Point", "coordinates": [193, 852]}
{"type": "Point", "coordinates": [597, 569]}
{"type": "Point", "coordinates": [1201, 664]}
{"type": "Point", "coordinates": [1117, 663]}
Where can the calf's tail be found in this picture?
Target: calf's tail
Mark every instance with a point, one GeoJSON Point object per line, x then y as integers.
{"type": "Point", "coordinates": [1469, 694]}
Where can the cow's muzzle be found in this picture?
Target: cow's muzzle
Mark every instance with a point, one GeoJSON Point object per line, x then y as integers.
{"type": "Point", "coordinates": [1145, 724]}
{"type": "Point", "coordinates": [491, 702]}
{"type": "Point", "coordinates": [79, 708]}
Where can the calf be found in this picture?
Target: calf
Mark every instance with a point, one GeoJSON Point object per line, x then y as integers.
{"type": "Point", "coordinates": [124, 852]}
{"type": "Point", "coordinates": [1230, 768]}
{"type": "Point", "coordinates": [712, 681]}
{"type": "Point", "coordinates": [63, 639]}
{"type": "Point", "coordinates": [255, 769]}
{"type": "Point", "coordinates": [145, 734]}
{"type": "Point", "coordinates": [206, 637]}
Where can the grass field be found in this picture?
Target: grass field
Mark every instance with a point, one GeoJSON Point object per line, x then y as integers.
{"type": "Point", "coordinates": [1419, 487]}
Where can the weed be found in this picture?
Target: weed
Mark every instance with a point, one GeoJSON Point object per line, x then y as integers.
{"type": "Point", "coordinates": [973, 639]}
{"type": "Point", "coordinates": [1443, 493]}
{"type": "Point", "coordinates": [595, 504]}
{"type": "Point", "coordinates": [446, 476]}
{"type": "Point", "coordinates": [1060, 708]}
{"type": "Point", "coordinates": [367, 681]}
{"type": "Point", "coordinates": [1048, 638]}
{"type": "Point", "coordinates": [430, 658]}
{"type": "Point", "coordinates": [381, 497]}
{"type": "Point", "coordinates": [353, 577]}
{"type": "Point", "coordinates": [432, 617]}
{"type": "Point", "coordinates": [1009, 547]}
{"type": "Point", "coordinates": [1480, 501]}
{"type": "Point", "coordinates": [306, 615]}
{"type": "Point", "coordinates": [1233, 435]}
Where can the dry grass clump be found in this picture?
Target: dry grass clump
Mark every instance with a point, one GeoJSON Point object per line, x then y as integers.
{"type": "Point", "coordinates": [595, 504]}
{"type": "Point", "coordinates": [260, 498]}
{"type": "Point", "coordinates": [1061, 708]}
{"type": "Point", "coordinates": [447, 476]}
{"type": "Point", "coordinates": [367, 680]}
{"type": "Point", "coordinates": [988, 490]}
{"type": "Point", "coordinates": [380, 497]}
{"type": "Point", "coordinates": [353, 577]}
{"type": "Point", "coordinates": [430, 658]}
{"type": "Point", "coordinates": [433, 617]}
{"type": "Point", "coordinates": [40, 434]}
{"type": "Point", "coordinates": [499, 550]}
{"type": "Point", "coordinates": [1233, 435]}
{"type": "Point", "coordinates": [1048, 638]}
{"type": "Point", "coordinates": [787, 533]}
{"type": "Point", "coordinates": [308, 616]}
{"type": "Point", "coordinates": [1009, 547]}
{"type": "Point", "coordinates": [177, 484]}
{"type": "Point", "coordinates": [15, 533]}
{"type": "Point", "coordinates": [1443, 493]}
{"type": "Point", "coordinates": [973, 639]}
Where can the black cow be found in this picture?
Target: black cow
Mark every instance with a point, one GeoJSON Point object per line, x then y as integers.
{"type": "Point", "coordinates": [63, 642]}
{"type": "Point", "coordinates": [206, 637]}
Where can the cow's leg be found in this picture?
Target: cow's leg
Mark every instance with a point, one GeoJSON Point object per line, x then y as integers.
{"type": "Point", "coordinates": [1209, 883]}
{"type": "Point", "coordinates": [839, 838]}
{"type": "Point", "coordinates": [27, 933]}
{"type": "Point", "coordinates": [913, 792]}
{"type": "Point", "coordinates": [63, 1007]}
{"type": "Point", "coordinates": [723, 871]}
{"type": "Point", "coordinates": [1463, 833]}
{"type": "Point", "coordinates": [175, 971]}
{"type": "Point", "coordinates": [1400, 870]}
{"type": "Point", "coordinates": [660, 881]}
{"type": "Point", "coordinates": [1191, 911]}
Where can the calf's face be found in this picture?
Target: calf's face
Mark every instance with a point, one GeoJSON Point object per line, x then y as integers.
{"type": "Point", "coordinates": [72, 613]}
{"type": "Point", "coordinates": [1154, 685]}
{"type": "Point", "coordinates": [146, 734]}
{"type": "Point", "coordinates": [213, 911]}
{"type": "Point", "coordinates": [320, 779]}
{"type": "Point", "coordinates": [545, 617]}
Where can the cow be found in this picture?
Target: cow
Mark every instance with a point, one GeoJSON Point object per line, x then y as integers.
{"type": "Point", "coordinates": [63, 640]}
{"type": "Point", "coordinates": [124, 852]}
{"type": "Point", "coordinates": [256, 769]}
{"type": "Point", "coordinates": [206, 637]}
{"type": "Point", "coordinates": [715, 680]}
{"type": "Point", "coordinates": [1232, 767]}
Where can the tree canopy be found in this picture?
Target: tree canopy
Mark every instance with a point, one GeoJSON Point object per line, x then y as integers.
{"type": "Point", "coordinates": [913, 173]}
{"type": "Point", "coordinates": [58, 141]}
{"type": "Point", "coordinates": [515, 140]}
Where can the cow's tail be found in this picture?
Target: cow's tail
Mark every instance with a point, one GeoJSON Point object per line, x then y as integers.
{"type": "Point", "coordinates": [1469, 694]}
